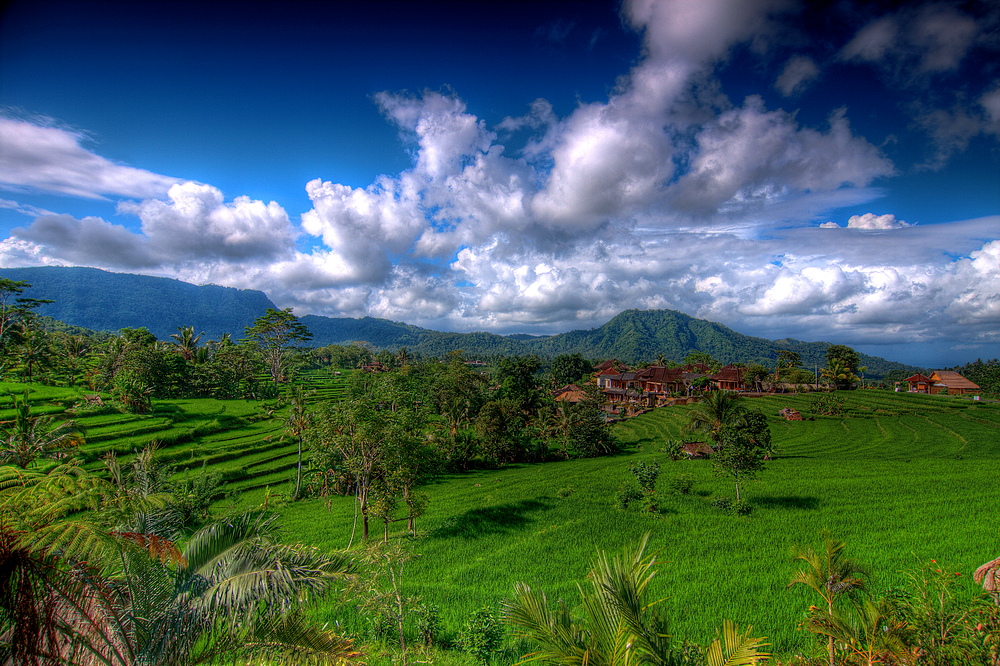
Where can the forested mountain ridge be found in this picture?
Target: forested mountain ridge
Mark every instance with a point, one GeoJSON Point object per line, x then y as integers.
{"type": "Point", "coordinates": [104, 301]}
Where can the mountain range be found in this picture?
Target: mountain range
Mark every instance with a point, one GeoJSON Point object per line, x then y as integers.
{"type": "Point", "coordinates": [104, 301]}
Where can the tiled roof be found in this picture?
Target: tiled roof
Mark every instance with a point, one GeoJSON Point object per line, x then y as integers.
{"type": "Point", "coordinates": [663, 375]}
{"type": "Point", "coordinates": [919, 379]}
{"type": "Point", "coordinates": [952, 379]}
{"type": "Point", "coordinates": [730, 373]}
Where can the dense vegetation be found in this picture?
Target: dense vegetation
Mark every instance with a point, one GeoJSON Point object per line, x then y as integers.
{"type": "Point", "coordinates": [104, 301]}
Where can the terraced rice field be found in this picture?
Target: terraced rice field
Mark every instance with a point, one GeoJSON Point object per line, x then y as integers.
{"type": "Point", "coordinates": [901, 478]}
{"type": "Point", "coordinates": [241, 439]}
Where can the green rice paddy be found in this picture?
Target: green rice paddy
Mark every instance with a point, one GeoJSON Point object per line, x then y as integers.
{"type": "Point", "coordinates": [901, 478]}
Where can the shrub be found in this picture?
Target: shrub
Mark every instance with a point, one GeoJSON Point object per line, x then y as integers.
{"type": "Point", "coordinates": [627, 494]}
{"type": "Point", "coordinates": [428, 623]}
{"type": "Point", "coordinates": [682, 484]}
{"type": "Point", "coordinates": [482, 634]}
{"type": "Point", "coordinates": [646, 475]}
{"type": "Point", "coordinates": [829, 404]}
{"type": "Point", "coordinates": [733, 507]}
{"type": "Point", "coordinates": [723, 504]}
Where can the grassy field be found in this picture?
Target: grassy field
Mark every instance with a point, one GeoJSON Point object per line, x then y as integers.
{"type": "Point", "coordinates": [240, 439]}
{"type": "Point", "coordinates": [901, 478]}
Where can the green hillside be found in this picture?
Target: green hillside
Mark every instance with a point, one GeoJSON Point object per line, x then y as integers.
{"type": "Point", "coordinates": [103, 301]}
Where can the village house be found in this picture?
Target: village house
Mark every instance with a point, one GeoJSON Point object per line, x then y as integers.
{"type": "Point", "coordinates": [941, 381]}
{"type": "Point", "coordinates": [729, 378]}
{"type": "Point", "coordinates": [646, 387]}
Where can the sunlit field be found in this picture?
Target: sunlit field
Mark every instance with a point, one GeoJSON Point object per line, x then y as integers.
{"type": "Point", "coordinates": [901, 478]}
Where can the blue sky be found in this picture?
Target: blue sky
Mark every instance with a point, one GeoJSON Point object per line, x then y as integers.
{"type": "Point", "coordinates": [818, 170]}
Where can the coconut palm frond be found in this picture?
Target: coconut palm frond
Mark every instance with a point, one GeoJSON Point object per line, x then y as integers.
{"type": "Point", "coordinates": [215, 541]}
{"type": "Point", "coordinates": [559, 639]}
{"type": "Point", "coordinates": [621, 627]}
{"type": "Point", "coordinates": [292, 640]}
{"type": "Point", "coordinates": [736, 648]}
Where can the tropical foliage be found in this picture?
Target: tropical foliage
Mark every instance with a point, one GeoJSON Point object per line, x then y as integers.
{"type": "Point", "coordinates": [621, 625]}
{"type": "Point", "coordinates": [137, 599]}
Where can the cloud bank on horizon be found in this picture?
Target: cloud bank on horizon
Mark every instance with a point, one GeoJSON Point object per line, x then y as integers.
{"type": "Point", "coordinates": [669, 193]}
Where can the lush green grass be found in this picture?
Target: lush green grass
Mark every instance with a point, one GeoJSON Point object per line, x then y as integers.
{"type": "Point", "coordinates": [900, 478]}
{"type": "Point", "coordinates": [240, 439]}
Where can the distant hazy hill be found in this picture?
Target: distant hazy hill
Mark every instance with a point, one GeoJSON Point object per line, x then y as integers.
{"type": "Point", "coordinates": [104, 301]}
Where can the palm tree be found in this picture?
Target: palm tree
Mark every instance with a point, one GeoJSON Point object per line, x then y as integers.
{"type": "Point", "coordinates": [622, 627]}
{"type": "Point", "coordinates": [870, 632]}
{"type": "Point", "coordinates": [28, 437]}
{"type": "Point", "coordinates": [186, 341]}
{"type": "Point", "coordinates": [832, 575]}
{"type": "Point", "coordinates": [719, 409]}
{"type": "Point", "coordinates": [233, 592]}
{"type": "Point", "coordinates": [838, 374]}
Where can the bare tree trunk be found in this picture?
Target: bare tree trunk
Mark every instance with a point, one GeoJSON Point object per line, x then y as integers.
{"type": "Point", "coordinates": [298, 471]}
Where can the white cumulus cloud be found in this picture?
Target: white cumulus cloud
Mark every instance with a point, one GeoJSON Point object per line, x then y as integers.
{"type": "Point", "coordinates": [51, 159]}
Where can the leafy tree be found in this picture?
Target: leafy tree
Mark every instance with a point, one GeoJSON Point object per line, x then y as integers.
{"type": "Point", "coordinates": [370, 443]}
{"type": "Point", "coordinates": [588, 435]}
{"type": "Point", "coordinates": [501, 428]}
{"type": "Point", "coordinates": [230, 372]}
{"type": "Point", "coordinates": [15, 313]}
{"type": "Point", "coordinates": [569, 368]}
{"type": "Point", "coordinates": [842, 363]}
{"type": "Point", "coordinates": [755, 374]}
{"type": "Point", "coordinates": [787, 360]}
{"type": "Point", "coordinates": [517, 381]}
{"type": "Point", "coordinates": [274, 334]}
{"type": "Point", "coordinates": [25, 438]}
{"type": "Point", "coordinates": [458, 393]}
{"type": "Point", "coordinates": [702, 357]}
{"type": "Point", "coordinates": [743, 449]}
